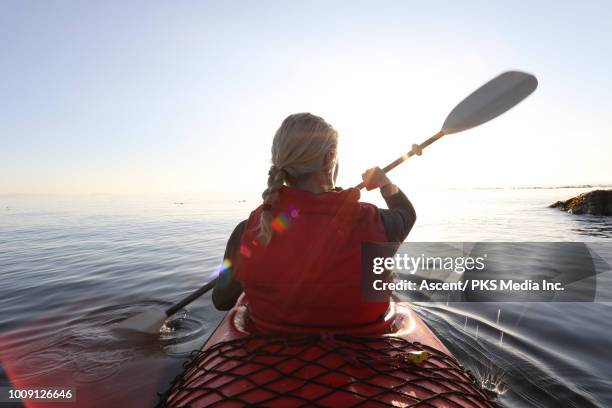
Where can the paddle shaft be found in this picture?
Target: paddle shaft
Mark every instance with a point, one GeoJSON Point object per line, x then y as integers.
{"type": "Point", "coordinates": [406, 156]}
{"type": "Point", "coordinates": [173, 309]}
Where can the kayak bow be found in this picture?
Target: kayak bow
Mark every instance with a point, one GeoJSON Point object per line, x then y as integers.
{"type": "Point", "coordinates": [397, 361]}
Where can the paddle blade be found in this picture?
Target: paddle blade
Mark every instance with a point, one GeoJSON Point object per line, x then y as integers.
{"type": "Point", "coordinates": [490, 100]}
{"type": "Point", "coordinates": [147, 322]}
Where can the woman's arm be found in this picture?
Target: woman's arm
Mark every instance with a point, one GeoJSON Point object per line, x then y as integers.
{"type": "Point", "coordinates": [228, 290]}
{"type": "Point", "coordinates": [399, 219]}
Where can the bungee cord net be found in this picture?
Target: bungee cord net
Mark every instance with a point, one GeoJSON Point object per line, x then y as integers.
{"type": "Point", "coordinates": [323, 371]}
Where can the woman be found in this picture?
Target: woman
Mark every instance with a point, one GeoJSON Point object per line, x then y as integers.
{"type": "Point", "coordinates": [297, 256]}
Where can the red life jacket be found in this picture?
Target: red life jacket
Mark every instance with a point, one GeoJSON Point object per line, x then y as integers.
{"type": "Point", "coordinates": [309, 273]}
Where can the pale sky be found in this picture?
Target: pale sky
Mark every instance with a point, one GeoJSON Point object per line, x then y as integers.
{"type": "Point", "coordinates": [163, 96]}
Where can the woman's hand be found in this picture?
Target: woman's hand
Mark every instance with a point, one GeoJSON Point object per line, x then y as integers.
{"type": "Point", "coordinates": [375, 178]}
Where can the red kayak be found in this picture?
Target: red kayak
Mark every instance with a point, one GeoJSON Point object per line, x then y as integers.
{"type": "Point", "coordinates": [397, 362]}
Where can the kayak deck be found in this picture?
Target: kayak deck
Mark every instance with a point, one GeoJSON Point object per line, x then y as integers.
{"type": "Point", "coordinates": [403, 365]}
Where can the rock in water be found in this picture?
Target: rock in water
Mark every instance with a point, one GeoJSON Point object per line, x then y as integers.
{"type": "Point", "coordinates": [598, 202]}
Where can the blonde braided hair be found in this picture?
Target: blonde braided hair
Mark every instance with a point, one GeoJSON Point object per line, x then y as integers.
{"type": "Point", "coordinates": [298, 150]}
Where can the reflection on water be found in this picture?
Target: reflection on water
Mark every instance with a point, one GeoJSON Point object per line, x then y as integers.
{"type": "Point", "coordinates": [85, 351]}
{"type": "Point", "coordinates": [593, 226]}
{"type": "Point", "coordinates": [530, 357]}
{"type": "Point", "coordinates": [73, 267]}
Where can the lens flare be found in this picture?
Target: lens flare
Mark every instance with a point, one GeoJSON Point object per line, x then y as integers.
{"type": "Point", "coordinates": [245, 251]}
{"type": "Point", "coordinates": [280, 223]}
{"type": "Point", "coordinates": [226, 264]}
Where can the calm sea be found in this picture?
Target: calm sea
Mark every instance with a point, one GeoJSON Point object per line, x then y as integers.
{"type": "Point", "coordinates": [73, 266]}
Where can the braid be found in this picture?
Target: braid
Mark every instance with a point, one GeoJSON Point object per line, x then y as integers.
{"type": "Point", "coordinates": [276, 178]}
{"type": "Point", "coordinates": [299, 149]}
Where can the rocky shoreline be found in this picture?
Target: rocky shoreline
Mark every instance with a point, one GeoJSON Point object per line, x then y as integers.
{"type": "Point", "coordinates": [598, 202]}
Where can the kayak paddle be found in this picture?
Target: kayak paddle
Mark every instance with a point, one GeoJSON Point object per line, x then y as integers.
{"type": "Point", "coordinates": [152, 320]}
{"type": "Point", "coordinates": [486, 103]}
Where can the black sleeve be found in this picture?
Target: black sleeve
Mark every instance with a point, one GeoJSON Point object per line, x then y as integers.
{"type": "Point", "coordinates": [228, 290]}
{"type": "Point", "coordinates": [399, 219]}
